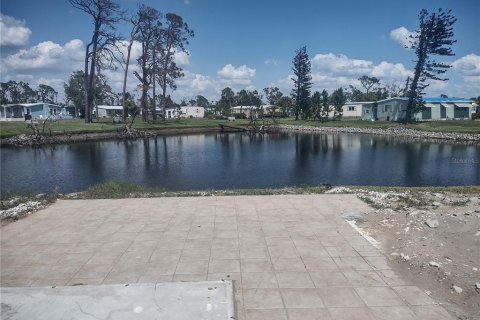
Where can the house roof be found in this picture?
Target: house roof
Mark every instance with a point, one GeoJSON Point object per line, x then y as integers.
{"type": "Point", "coordinates": [433, 99]}
{"type": "Point", "coordinates": [30, 104]}
{"type": "Point", "coordinates": [453, 99]}
{"type": "Point", "coordinates": [110, 107]}
{"type": "Point", "coordinates": [264, 106]}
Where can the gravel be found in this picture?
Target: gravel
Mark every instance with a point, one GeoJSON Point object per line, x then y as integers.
{"type": "Point", "coordinates": [398, 131]}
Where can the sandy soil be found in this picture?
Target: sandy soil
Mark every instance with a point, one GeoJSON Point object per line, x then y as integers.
{"type": "Point", "coordinates": [432, 240]}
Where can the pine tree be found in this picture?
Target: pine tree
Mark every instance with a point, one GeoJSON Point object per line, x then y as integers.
{"type": "Point", "coordinates": [434, 37]}
{"type": "Point", "coordinates": [302, 82]}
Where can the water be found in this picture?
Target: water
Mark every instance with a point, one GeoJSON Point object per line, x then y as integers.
{"type": "Point", "coordinates": [221, 161]}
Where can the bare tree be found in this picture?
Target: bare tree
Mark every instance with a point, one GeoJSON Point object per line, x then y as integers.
{"type": "Point", "coordinates": [133, 34]}
{"type": "Point", "coordinates": [105, 14]}
{"type": "Point", "coordinates": [174, 38]}
{"type": "Point", "coordinates": [148, 28]}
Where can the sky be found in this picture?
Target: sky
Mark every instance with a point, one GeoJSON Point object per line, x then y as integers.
{"type": "Point", "coordinates": [249, 44]}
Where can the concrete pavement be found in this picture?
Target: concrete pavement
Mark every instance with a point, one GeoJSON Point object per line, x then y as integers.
{"type": "Point", "coordinates": [289, 257]}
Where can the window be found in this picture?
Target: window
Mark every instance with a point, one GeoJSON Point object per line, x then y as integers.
{"type": "Point", "coordinates": [367, 111]}
{"type": "Point", "coordinates": [28, 111]}
{"type": "Point", "coordinates": [53, 111]}
{"type": "Point", "coordinates": [351, 108]}
{"type": "Point", "coordinates": [386, 108]}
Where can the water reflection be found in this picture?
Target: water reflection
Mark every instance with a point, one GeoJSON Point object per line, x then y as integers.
{"type": "Point", "coordinates": [202, 161]}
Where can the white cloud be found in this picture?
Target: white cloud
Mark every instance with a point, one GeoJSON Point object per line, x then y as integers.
{"type": "Point", "coordinates": [242, 72]}
{"type": "Point", "coordinates": [47, 55]}
{"type": "Point", "coordinates": [391, 71]}
{"type": "Point", "coordinates": [181, 58]}
{"type": "Point", "coordinates": [468, 65]}
{"type": "Point", "coordinates": [402, 36]}
{"type": "Point", "coordinates": [340, 65]}
{"type": "Point", "coordinates": [271, 61]}
{"type": "Point", "coordinates": [13, 32]}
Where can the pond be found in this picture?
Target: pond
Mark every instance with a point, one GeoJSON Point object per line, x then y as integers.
{"type": "Point", "coordinates": [225, 161]}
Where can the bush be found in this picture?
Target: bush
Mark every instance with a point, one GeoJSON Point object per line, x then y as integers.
{"type": "Point", "coordinates": [476, 115]}
{"type": "Point", "coordinates": [215, 117]}
{"type": "Point", "coordinates": [239, 115]}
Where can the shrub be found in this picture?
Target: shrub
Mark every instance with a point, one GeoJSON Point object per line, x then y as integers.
{"type": "Point", "coordinates": [239, 115]}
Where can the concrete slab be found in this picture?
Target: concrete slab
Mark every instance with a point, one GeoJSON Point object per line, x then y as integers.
{"type": "Point", "coordinates": [182, 300]}
{"type": "Point", "coordinates": [288, 256]}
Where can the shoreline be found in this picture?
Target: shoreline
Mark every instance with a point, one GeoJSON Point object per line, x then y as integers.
{"type": "Point", "coordinates": [25, 140]}
{"type": "Point", "coordinates": [397, 132]}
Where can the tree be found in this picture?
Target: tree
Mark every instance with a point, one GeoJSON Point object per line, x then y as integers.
{"type": "Point", "coordinates": [369, 82]}
{"type": "Point", "coordinates": [338, 99]}
{"type": "Point", "coordinates": [302, 81]}
{"type": "Point", "coordinates": [133, 35]}
{"type": "Point", "coordinates": [227, 99]}
{"type": "Point", "coordinates": [17, 92]}
{"type": "Point", "coordinates": [149, 26]}
{"type": "Point", "coordinates": [394, 89]}
{"type": "Point", "coordinates": [174, 38]}
{"type": "Point", "coordinates": [325, 105]}
{"type": "Point", "coordinates": [316, 103]}
{"type": "Point", "coordinates": [273, 95]}
{"type": "Point", "coordinates": [242, 99]}
{"type": "Point", "coordinates": [105, 14]}
{"type": "Point", "coordinates": [286, 104]}
{"type": "Point", "coordinates": [74, 91]}
{"type": "Point", "coordinates": [3, 93]}
{"type": "Point", "coordinates": [433, 38]}
{"type": "Point", "coordinates": [46, 93]}
{"type": "Point", "coordinates": [202, 101]}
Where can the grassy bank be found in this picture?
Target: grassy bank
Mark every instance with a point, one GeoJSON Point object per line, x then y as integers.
{"type": "Point", "coordinates": [121, 189]}
{"type": "Point", "coordinates": [8, 129]}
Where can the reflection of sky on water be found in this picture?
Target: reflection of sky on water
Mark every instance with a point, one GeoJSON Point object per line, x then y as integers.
{"type": "Point", "coordinates": [188, 162]}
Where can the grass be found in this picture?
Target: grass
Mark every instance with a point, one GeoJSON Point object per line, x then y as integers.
{"type": "Point", "coordinates": [8, 129]}
{"type": "Point", "coordinates": [122, 189]}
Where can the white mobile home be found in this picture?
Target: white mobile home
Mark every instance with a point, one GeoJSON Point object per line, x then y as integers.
{"type": "Point", "coordinates": [353, 109]}
{"type": "Point", "coordinates": [107, 111]}
{"type": "Point", "coordinates": [37, 110]}
{"type": "Point", "coordinates": [394, 109]}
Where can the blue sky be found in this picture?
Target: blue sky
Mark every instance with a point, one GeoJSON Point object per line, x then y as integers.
{"type": "Point", "coordinates": [250, 44]}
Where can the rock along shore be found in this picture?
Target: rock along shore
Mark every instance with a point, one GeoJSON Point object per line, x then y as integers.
{"type": "Point", "coordinates": [38, 140]}
{"type": "Point", "coordinates": [397, 132]}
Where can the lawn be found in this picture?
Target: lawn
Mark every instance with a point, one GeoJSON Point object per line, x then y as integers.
{"type": "Point", "coordinates": [8, 129]}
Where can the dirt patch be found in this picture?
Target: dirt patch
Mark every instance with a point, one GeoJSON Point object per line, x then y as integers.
{"type": "Point", "coordinates": [431, 239]}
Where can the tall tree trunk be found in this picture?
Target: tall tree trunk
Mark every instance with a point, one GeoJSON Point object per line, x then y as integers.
{"type": "Point", "coordinates": [413, 88]}
{"type": "Point", "coordinates": [124, 91]}
{"type": "Point", "coordinates": [153, 80]}
{"type": "Point", "coordinates": [85, 84]}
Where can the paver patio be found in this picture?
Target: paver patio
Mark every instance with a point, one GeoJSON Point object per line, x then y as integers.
{"type": "Point", "coordinates": [290, 257]}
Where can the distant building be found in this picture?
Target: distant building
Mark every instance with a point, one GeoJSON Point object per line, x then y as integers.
{"type": "Point", "coordinates": [185, 112]}
{"type": "Point", "coordinates": [353, 110]}
{"type": "Point", "coordinates": [247, 110]}
{"type": "Point", "coordinates": [37, 110]}
{"type": "Point", "coordinates": [108, 111]}
{"type": "Point", "coordinates": [394, 109]}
